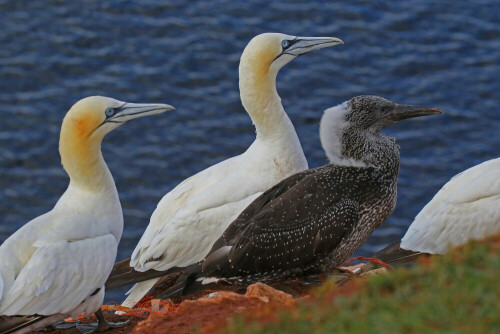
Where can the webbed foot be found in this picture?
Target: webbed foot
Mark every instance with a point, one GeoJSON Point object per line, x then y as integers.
{"type": "Point", "coordinates": [61, 325]}
{"type": "Point", "coordinates": [101, 325]}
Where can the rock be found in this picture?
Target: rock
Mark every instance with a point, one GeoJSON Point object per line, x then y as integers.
{"type": "Point", "coordinates": [211, 313]}
{"type": "Point", "coordinates": [222, 300]}
{"type": "Point", "coordinates": [354, 269]}
{"type": "Point", "coordinates": [374, 272]}
{"type": "Point", "coordinates": [207, 314]}
{"type": "Point", "coordinates": [155, 304]}
{"type": "Point", "coordinates": [268, 294]}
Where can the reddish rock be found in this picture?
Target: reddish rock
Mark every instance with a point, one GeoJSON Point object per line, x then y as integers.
{"type": "Point", "coordinates": [269, 294]}
{"type": "Point", "coordinates": [211, 313]}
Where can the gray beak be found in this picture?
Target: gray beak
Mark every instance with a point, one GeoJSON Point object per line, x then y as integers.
{"type": "Point", "coordinates": [301, 45]}
{"type": "Point", "coordinates": [401, 111]}
{"type": "Point", "coordinates": [129, 111]}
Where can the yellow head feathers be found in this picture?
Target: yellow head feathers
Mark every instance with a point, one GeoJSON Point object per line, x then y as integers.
{"type": "Point", "coordinates": [260, 62]}
{"type": "Point", "coordinates": [271, 51]}
{"type": "Point", "coordinates": [87, 115]}
{"type": "Point", "coordinates": [84, 127]}
{"type": "Point", "coordinates": [263, 50]}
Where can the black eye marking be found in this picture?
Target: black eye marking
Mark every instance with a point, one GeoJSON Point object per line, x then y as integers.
{"type": "Point", "coordinates": [286, 44]}
{"type": "Point", "coordinates": [109, 112]}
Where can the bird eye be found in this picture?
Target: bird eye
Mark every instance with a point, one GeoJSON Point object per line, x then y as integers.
{"type": "Point", "coordinates": [110, 111]}
{"type": "Point", "coordinates": [285, 43]}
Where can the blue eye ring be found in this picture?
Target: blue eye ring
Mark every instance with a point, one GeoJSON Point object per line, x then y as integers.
{"type": "Point", "coordinates": [109, 111]}
{"type": "Point", "coordinates": [285, 43]}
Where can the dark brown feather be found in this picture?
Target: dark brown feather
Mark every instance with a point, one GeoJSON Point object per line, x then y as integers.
{"type": "Point", "coordinates": [123, 274]}
{"type": "Point", "coordinates": [394, 254]}
{"type": "Point", "coordinates": [311, 212]}
{"type": "Point", "coordinates": [11, 324]}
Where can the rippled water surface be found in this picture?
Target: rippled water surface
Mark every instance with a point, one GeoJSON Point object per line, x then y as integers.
{"type": "Point", "coordinates": [444, 54]}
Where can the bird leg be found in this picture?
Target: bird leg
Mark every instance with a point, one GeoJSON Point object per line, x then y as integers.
{"type": "Point", "coordinates": [101, 325]}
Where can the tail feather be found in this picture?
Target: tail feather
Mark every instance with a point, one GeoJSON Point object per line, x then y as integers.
{"type": "Point", "coordinates": [123, 274]}
{"type": "Point", "coordinates": [394, 254]}
{"type": "Point", "coordinates": [12, 324]}
{"type": "Point", "coordinates": [189, 282]}
{"type": "Point", "coordinates": [177, 290]}
{"type": "Point", "coordinates": [138, 291]}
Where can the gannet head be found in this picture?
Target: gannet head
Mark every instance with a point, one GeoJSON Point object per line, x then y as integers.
{"type": "Point", "coordinates": [271, 51]}
{"type": "Point", "coordinates": [350, 134]}
{"type": "Point", "coordinates": [83, 129]}
{"type": "Point", "coordinates": [96, 116]}
{"type": "Point", "coordinates": [373, 113]}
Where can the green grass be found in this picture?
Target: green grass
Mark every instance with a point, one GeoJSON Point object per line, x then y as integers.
{"type": "Point", "coordinates": [457, 293]}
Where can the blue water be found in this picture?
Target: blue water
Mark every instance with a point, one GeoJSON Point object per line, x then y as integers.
{"type": "Point", "coordinates": [52, 53]}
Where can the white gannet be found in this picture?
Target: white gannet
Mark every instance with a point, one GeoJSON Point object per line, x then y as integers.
{"type": "Point", "coordinates": [315, 220]}
{"type": "Point", "coordinates": [56, 265]}
{"type": "Point", "coordinates": [190, 218]}
{"type": "Point", "coordinates": [466, 208]}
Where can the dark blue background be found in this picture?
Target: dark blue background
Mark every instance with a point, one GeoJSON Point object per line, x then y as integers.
{"type": "Point", "coordinates": [53, 53]}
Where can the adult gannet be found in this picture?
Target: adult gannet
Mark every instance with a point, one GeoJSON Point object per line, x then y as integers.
{"type": "Point", "coordinates": [56, 265]}
{"type": "Point", "coordinates": [190, 218]}
{"type": "Point", "coordinates": [316, 219]}
{"type": "Point", "coordinates": [466, 208]}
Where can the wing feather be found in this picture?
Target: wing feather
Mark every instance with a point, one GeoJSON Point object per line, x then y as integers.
{"type": "Point", "coordinates": [303, 217]}
{"type": "Point", "coordinates": [58, 277]}
{"type": "Point", "coordinates": [162, 249]}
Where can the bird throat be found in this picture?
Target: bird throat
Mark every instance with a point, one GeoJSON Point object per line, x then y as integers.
{"type": "Point", "coordinates": [261, 100]}
{"type": "Point", "coordinates": [81, 157]}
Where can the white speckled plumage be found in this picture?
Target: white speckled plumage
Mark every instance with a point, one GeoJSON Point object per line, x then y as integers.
{"type": "Point", "coordinates": [57, 263]}
{"type": "Point", "coordinates": [190, 218]}
{"type": "Point", "coordinates": [466, 208]}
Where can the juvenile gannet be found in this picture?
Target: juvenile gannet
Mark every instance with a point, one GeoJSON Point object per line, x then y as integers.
{"type": "Point", "coordinates": [466, 208]}
{"type": "Point", "coordinates": [316, 219]}
{"type": "Point", "coordinates": [55, 266]}
{"type": "Point", "coordinates": [190, 218]}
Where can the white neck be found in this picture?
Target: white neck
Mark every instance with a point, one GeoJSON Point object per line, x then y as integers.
{"type": "Point", "coordinates": [331, 126]}
{"type": "Point", "coordinates": [262, 102]}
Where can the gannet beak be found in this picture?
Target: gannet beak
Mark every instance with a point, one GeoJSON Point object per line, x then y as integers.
{"type": "Point", "coordinates": [129, 111]}
{"type": "Point", "coordinates": [301, 45]}
{"type": "Point", "coordinates": [402, 111]}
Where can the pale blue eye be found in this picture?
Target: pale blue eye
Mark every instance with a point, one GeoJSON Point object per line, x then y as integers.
{"type": "Point", "coordinates": [285, 43]}
{"type": "Point", "coordinates": [110, 112]}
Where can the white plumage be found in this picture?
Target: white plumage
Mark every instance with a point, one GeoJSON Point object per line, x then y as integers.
{"type": "Point", "coordinates": [466, 208]}
{"type": "Point", "coordinates": [51, 265]}
{"type": "Point", "coordinates": [190, 218]}
{"type": "Point", "coordinates": [56, 264]}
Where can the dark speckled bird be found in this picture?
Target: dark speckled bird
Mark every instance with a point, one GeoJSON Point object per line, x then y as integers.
{"type": "Point", "coordinates": [315, 220]}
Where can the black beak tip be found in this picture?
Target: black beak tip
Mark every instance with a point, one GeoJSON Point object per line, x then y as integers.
{"type": "Point", "coordinates": [434, 111]}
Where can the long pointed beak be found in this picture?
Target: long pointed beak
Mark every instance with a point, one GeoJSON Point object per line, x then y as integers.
{"type": "Point", "coordinates": [402, 111]}
{"type": "Point", "coordinates": [303, 45]}
{"type": "Point", "coordinates": [129, 111]}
